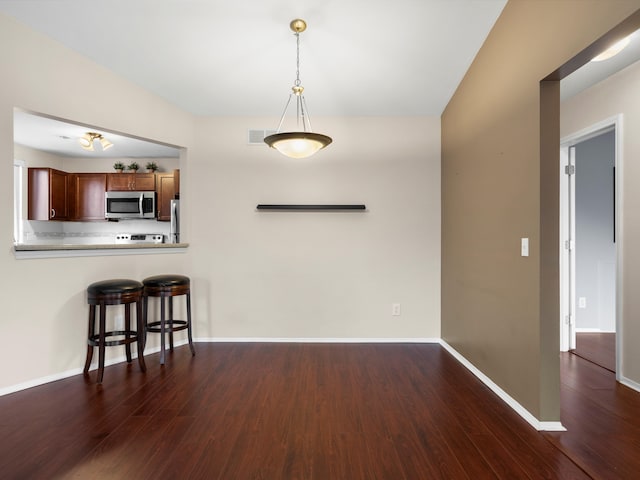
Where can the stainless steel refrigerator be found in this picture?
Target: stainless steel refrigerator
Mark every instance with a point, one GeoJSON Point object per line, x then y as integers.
{"type": "Point", "coordinates": [174, 232]}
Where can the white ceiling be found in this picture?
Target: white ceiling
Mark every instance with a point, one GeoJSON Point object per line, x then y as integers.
{"type": "Point", "coordinates": [61, 138]}
{"type": "Point", "coordinates": [226, 57]}
{"type": "Point", "coordinates": [237, 57]}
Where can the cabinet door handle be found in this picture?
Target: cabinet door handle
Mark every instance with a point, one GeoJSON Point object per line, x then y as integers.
{"type": "Point", "coordinates": [53, 213]}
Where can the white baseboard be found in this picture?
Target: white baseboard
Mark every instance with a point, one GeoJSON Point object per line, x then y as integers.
{"type": "Point", "coordinates": [39, 381]}
{"type": "Point", "coordinates": [524, 413]}
{"type": "Point", "coordinates": [629, 383]}
{"type": "Point", "coordinates": [77, 371]}
{"type": "Point", "coordinates": [504, 396]}
{"type": "Point", "coordinates": [592, 330]}
{"type": "Point", "coordinates": [313, 340]}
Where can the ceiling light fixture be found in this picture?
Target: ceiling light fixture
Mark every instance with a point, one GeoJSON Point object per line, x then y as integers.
{"type": "Point", "coordinates": [86, 141]}
{"type": "Point", "coordinates": [613, 50]}
{"type": "Point", "coordinates": [298, 144]}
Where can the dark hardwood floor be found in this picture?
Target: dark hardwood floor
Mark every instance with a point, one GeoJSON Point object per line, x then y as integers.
{"type": "Point", "coordinates": [310, 411]}
{"type": "Point", "coordinates": [599, 348]}
{"type": "Point", "coordinates": [601, 418]}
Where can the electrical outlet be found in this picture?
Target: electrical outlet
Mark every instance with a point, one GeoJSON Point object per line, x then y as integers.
{"type": "Point", "coordinates": [582, 302]}
{"type": "Point", "coordinates": [395, 309]}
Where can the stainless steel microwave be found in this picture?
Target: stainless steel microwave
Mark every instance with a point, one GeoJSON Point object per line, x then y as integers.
{"type": "Point", "coordinates": [130, 205]}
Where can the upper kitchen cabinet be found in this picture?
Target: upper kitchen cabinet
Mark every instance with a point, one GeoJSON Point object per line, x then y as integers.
{"type": "Point", "coordinates": [117, 182]}
{"type": "Point", "coordinates": [166, 189]}
{"type": "Point", "coordinates": [87, 196]}
{"type": "Point", "coordinates": [48, 192]}
{"type": "Point", "coordinates": [176, 182]}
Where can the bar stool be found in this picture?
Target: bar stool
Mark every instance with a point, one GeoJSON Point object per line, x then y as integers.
{"type": "Point", "coordinates": [167, 286]}
{"type": "Point", "coordinates": [114, 292]}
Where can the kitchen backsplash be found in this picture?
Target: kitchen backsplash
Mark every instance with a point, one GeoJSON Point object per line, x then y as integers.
{"type": "Point", "coordinates": [86, 233]}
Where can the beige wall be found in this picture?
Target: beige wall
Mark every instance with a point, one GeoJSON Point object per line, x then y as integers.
{"type": "Point", "coordinates": [44, 314]}
{"type": "Point", "coordinates": [619, 95]}
{"type": "Point", "coordinates": [499, 309]}
{"type": "Point", "coordinates": [320, 274]}
{"type": "Point", "coordinates": [277, 275]}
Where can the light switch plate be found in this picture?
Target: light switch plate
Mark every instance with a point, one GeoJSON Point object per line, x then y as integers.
{"type": "Point", "coordinates": [524, 247]}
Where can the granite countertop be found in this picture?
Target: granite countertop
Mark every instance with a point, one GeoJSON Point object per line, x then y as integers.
{"type": "Point", "coordinates": [106, 246]}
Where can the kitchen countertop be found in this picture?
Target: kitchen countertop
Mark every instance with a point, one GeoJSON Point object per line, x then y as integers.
{"type": "Point", "coordinates": [108, 246]}
{"type": "Point", "coordinates": [75, 250]}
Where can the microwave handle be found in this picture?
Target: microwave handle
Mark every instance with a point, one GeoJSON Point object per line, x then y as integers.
{"type": "Point", "coordinates": [140, 204]}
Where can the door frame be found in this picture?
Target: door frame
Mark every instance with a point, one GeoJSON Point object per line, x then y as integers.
{"type": "Point", "coordinates": [567, 211]}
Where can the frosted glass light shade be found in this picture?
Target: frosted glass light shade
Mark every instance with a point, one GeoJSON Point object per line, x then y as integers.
{"type": "Point", "coordinates": [612, 51]}
{"type": "Point", "coordinates": [105, 143]}
{"type": "Point", "coordinates": [86, 141]}
{"type": "Point", "coordinates": [298, 144]}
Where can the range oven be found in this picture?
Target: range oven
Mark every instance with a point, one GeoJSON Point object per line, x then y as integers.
{"type": "Point", "coordinates": [133, 238]}
{"type": "Point", "coordinates": [130, 205]}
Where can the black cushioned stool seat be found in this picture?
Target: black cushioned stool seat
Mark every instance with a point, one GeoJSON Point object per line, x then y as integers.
{"type": "Point", "coordinates": [114, 292]}
{"type": "Point", "coordinates": [167, 286]}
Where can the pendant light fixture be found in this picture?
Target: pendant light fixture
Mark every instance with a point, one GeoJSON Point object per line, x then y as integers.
{"type": "Point", "coordinates": [613, 50]}
{"type": "Point", "coordinates": [86, 141]}
{"type": "Point", "coordinates": [303, 142]}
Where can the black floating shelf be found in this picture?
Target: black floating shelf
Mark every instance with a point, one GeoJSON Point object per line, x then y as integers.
{"type": "Point", "coordinates": [310, 207]}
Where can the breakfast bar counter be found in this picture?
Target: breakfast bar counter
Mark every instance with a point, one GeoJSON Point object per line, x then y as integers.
{"type": "Point", "coordinates": [93, 250]}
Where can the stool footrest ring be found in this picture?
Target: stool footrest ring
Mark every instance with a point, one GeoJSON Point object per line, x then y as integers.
{"type": "Point", "coordinates": [94, 340]}
{"type": "Point", "coordinates": [169, 326]}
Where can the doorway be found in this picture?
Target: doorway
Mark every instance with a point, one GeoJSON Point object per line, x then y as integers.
{"type": "Point", "coordinates": [589, 230]}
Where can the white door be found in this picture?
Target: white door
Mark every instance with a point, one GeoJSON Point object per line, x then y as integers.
{"type": "Point", "coordinates": [567, 248]}
{"type": "Point", "coordinates": [588, 253]}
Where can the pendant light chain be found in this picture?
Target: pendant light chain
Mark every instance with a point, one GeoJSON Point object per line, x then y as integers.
{"type": "Point", "coordinates": [297, 34]}
{"type": "Point", "coordinates": [301, 115]}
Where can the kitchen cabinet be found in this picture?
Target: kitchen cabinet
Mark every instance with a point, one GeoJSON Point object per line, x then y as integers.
{"type": "Point", "coordinates": [48, 194]}
{"type": "Point", "coordinates": [118, 182]}
{"type": "Point", "coordinates": [176, 182]}
{"type": "Point", "coordinates": [166, 191]}
{"type": "Point", "coordinates": [58, 195]}
{"type": "Point", "coordinates": [87, 196]}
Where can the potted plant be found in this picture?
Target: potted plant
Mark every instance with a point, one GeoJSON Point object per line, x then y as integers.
{"type": "Point", "coordinates": [119, 167]}
{"type": "Point", "coordinates": [151, 167]}
{"type": "Point", "coordinates": [133, 166]}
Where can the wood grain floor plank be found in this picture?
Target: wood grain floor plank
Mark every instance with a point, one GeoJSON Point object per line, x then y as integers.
{"type": "Point", "coordinates": [309, 411]}
{"type": "Point", "coordinates": [598, 348]}
{"type": "Point", "coordinates": [496, 428]}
